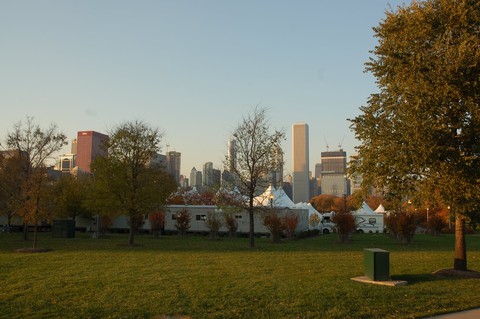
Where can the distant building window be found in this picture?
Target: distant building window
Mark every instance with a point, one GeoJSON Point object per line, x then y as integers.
{"type": "Point", "coordinates": [174, 217]}
{"type": "Point", "coordinates": [201, 217]}
{"type": "Point", "coordinates": [238, 216]}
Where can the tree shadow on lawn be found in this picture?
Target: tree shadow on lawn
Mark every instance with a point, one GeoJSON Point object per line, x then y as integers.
{"type": "Point", "coordinates": [438, 275]}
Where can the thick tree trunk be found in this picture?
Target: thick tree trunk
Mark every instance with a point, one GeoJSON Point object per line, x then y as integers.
{"type": "Point", "coordinates": [460, 246]}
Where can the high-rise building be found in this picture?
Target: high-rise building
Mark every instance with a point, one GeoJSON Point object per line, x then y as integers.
{"type": "Point", "coordinates": [333, 177]}
{"type": "Point", "coordinates": [73, 149]}
{"type": "Point", "coordinates": [300, 182]}
{"type": "Point", "coordinates": [173, 164]}
{"type": "Point", "coordinates": [195, 178]}
{"type": "Point", "coordinates": [232, 156]}
{"type": "Point", "coordinates": [277, 173]}
{"type": "Point", "coordinates": [158, 160]}
{"type": "Point", "coordinates": [67, 162]}
{"type": "Point", "coordinates": [207, 174]}
{"type": "Point", "coordinates": [89, 146]}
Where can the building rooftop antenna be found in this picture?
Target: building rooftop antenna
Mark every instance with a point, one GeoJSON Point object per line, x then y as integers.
{"type": "Point", "coordinates": [341, 143]}
{"type": "Point", "coordinates": [326, 143]}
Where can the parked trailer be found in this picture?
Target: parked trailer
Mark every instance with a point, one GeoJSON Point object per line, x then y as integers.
{"type": "Point", "coordinates": [327, 226]}
{"type": "Point", "coordinates": [369, 223]}
{"type": "Point", "coordinates": [199, 216]}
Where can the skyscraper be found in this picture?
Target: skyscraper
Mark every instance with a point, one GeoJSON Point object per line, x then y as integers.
{"type": "Point", "coordinates": [333, 179]}
{"type": "Point", "coordinates": [173, 164]}
{"type": "Point", "coordinates": [89, 146]}
{"type": "Point", "coordinates": [207, 174]}
{"type": "Point", "coordinates": [300, 182]}
{"type": "Point", "coordinates": [194, 181]}
{"type": "Point", "coordinates": [232, 156]}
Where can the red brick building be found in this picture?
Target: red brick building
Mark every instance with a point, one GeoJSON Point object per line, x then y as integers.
{"type": "Point", "coordinates": [89, 147]}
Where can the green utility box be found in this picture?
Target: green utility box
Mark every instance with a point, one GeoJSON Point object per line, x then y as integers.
{"type": "Point", "coordinates": [377, 264]}
{"type": "Point", "coordinates": [64, 228]}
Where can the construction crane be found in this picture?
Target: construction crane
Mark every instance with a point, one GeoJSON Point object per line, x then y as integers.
{"type": "Point", "coordinates": [341, 143]}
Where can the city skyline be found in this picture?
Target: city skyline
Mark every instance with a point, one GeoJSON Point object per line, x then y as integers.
{"type": "Point", "coordinates": [191, 69]}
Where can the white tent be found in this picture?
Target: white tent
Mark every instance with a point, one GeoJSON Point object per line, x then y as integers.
{"type": "Point", "coordinates": [380, 209]}
{"type": "Point", "coordinates": [275, 197]}
{"type": "Point", "coordinates": [365, 209]}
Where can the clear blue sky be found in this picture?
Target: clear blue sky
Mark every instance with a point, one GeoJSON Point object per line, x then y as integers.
{"type": "Point", "coordinates": [191, 68]}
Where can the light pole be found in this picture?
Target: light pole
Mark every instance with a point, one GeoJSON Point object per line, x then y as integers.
{"type": "Point", "coordinates": [271, 200]}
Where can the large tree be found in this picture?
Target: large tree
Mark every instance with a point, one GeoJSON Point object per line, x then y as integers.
{"type": "Point", "coordinates": [32, 146]}
{"type": "Point", "coordinates": [125, 182]}
{"type": "Point", "coordinates": [257, 156]}
{"type": "Point", "coordinates": [420, 134]}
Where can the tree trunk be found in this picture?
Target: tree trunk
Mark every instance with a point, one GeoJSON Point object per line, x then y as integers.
{"type": "Point", "coordinates": [460, 246]}
{"type": "Point", "coordinates": [131, 233]}
{"type": "Point", "coordinates": [252, 230]}
{"type": "Point", "coordinates": [35, 229]}
{"type": "Point", "coordinates": [25, 231]}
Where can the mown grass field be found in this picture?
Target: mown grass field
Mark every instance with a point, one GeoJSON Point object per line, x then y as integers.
{"type": "Point", "coordinates": [196, 277]}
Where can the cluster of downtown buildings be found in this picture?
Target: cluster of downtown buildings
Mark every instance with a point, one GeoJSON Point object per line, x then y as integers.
{"type": "Point", "coordinates": [329, 175]}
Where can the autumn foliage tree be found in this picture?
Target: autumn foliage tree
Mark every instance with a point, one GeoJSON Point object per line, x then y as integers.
{"type": "Point", "coordinates": [274, 224]}
{"type": "Point", "coordinates": [290, 222]}
{"type": "Point", "coordinates": [182, 221]}
{"type": "Point", "coordinates": [213, 222]}
{"type": "Point", "coordinates": [124, 181]}
{"type": "Point", "coordinates": [32, 146]}
{"type": "Point", "coordinates": [420, 133]}
{"type": "Point", "coordinates": [157, 223]}
{"type": "Point", "coordinates": [402, 226]}
{"type": "Point", "coordinates": [231, 223]}
{"type": "Point", "coordinates": [345, 225]}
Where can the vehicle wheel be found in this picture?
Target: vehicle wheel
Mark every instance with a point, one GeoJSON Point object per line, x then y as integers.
{"type": "Point", "coordinates": [360, 231]}
{"type": "Point", "coordinates": [326, 231]}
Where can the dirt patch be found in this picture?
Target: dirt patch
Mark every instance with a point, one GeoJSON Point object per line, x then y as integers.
{"type": "Point", "coordinates": [456, 273]}
{"type": "Point", "coordinates": [33, 250]}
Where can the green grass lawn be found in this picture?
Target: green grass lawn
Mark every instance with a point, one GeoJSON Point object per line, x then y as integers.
{"type": "Point", "coordinates": [199, 278]}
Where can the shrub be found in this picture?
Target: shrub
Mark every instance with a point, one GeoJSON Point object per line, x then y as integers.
{"type": "Point", "coordinates": [402, 226]}
{"type": "Point", "coordinates": [106, 223]}
{"type": "Point", "coordinates": [345, 225]}
{"type": "Point", "coordinates": [157, 223]}
{"type": "Point", "coordinates": [274, 224]}
{"type": "Point", "coordinates": [308, 233]}
{"type": "Point", "coordinates": [435, 224]}
{"type": "Point", "coordinates": [290, 223]}
{"type": "Point", "coordinates": [231, 224]}
{"type": "Point", "coordinates": [213, 224]}
{"type": "Point", "coordinates": [182, 221]}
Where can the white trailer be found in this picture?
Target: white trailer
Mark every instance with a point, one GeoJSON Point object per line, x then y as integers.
{"type": "Point", "coordinates": [327, 226]}
{"type": "Point", "coordinates": [369, 223]}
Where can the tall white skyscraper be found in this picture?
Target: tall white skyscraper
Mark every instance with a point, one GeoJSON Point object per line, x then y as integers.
{"type": "Point", "coordinates": [300, 182]}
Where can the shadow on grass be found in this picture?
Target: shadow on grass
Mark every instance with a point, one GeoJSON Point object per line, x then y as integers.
{"type": "Point", "coordinates": [416, 278]}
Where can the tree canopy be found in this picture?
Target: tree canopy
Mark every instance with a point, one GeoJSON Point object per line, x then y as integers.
{"type": "Point", "coordinates": [124, 181]}
{"type": "Point", "coordinates": [420, 134]}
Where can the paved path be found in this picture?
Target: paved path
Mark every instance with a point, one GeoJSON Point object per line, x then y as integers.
{"type": "Point", "coordinates": [467, 314]}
